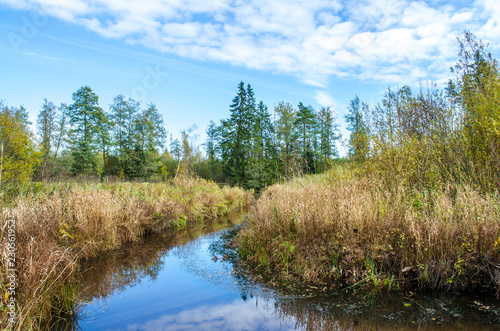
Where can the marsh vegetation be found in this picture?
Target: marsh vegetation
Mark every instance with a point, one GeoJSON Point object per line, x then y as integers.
{"type": "Point", "coordinates": [58, 225]}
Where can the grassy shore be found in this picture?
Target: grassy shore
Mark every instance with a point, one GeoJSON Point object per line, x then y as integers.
{"type": "Point", "coordinates": [341, 229]}
{"type": "Point", "coordinates": [57, 225]}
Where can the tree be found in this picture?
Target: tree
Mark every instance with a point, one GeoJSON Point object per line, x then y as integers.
{"type": "Point", "coordinates": [61, 129]}
{"type": "Point", "coordinates": [304, 124]}
{"type": "Point", "coordinates": [148, 137]}
{"type": "Point", "coordinates": [476, 90]}
{"type": "Point", "coordinates": [327, 135]}
{"type": "Point", "coordinates": [285, 133]}
{"type": "Point", "coordinates": [175, 151]}
{"type": "Point", "coordinates": [358, 140]}
{"type": "Point", "coordinates": [212, 140]}
{"type": "Point", "coordinates": [103, 128]}
{"type": "Point", "coordinates": [123, 114]}
{"type": "Point", "coordinates": [83, 121]}
{"type": "Point", "coordinates": [19, 153]}
{"type": "Point", "coordinates": [262, 165]}
{"type": "Point", "coordinates": [189, 152]}
{"type": "Point", "coordinates": [46, 125]}
{"type": "Point", "coordinates": [238, 141]}
{"type": "Point", "coordinates": [149, 130]}
{"type": "Point", "coordinates": [213, 150]}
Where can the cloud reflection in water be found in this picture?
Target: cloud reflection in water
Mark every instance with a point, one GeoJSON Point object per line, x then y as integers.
{"type": "Point", "coordinates": [235, 315]}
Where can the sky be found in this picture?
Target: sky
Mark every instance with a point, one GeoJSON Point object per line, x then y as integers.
{"type": "Point", "coordinates": [187, 57]}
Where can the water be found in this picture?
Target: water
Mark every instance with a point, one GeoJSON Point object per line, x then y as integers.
{"type": "Point", "coordinates": [200, 286]}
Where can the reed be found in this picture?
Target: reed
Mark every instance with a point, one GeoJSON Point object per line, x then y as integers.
{"type": "Point", "coordinates": [59, 224]}
{"type": "Point", "coordinates": [342, 229]}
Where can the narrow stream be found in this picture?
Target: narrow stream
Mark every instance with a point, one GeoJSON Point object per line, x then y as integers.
{"type": "Point", "coordinates": [199, 285]}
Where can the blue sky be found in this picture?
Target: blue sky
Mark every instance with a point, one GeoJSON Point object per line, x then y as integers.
{"type": "Point", "coordinates": [187, 57]}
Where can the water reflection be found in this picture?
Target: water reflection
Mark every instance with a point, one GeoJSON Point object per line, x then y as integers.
{"type": "Point", "coordinates": [199, 285]}
{"type": "Point", "coordinates": [234, 315]}
{"type": "Point", "coordinates": [117, 270]}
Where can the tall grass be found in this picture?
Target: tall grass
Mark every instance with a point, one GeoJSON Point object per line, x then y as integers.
{"type": "Point", "coordinates": [344, 229]}
{"type": "Point", "coordinates": [59, 224]}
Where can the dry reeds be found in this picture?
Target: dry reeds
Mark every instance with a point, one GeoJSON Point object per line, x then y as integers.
{"type": "Point", "coordinates": [338, 229]}
{"type": "Point", "coordinates": [61, 224]}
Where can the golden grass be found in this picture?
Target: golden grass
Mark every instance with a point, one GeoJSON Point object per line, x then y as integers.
{"type": "Point", "coordinates": [339, 229]}
{"type": "Point", "coordinates": [63, 223]}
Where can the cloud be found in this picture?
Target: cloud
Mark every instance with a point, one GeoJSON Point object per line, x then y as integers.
{"type": "Point", "coordinates": [314, 40]}
{"type": "Point", "coordinates": [236, 315]}
{"type": "Point", "coordinates": [324, 99]}
{"type": "Point", "coordinates": [41, 56]}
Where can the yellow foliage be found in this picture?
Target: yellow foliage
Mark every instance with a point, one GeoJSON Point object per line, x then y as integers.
{"type": "Point", "coordinates": [19, 156]}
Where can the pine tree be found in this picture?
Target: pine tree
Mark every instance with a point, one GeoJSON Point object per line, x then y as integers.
{"type": "Point", "coordinates": [84, 118]}
{"type": "Point", "coordinates": [213, 151]}
{"type": "Point", "coordinates": [239, 143]}
{"type": "Point", "coordinates": [261, 167]}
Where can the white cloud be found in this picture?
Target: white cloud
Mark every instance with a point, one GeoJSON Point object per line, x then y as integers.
{"type": "Point", "coordinates": [491, 29]}
{"type": "Point", "coordinates": [324, 99]}
{"type": "Point", "coordinates": [389, 40]}
{"type": "Point", "coordinates": [236, 315]}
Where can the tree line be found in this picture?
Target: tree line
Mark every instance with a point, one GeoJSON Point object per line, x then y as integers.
{"type": "Point", "coordinates": [421, 138]}
{"type": "Point", "coordinates": [252, 148]}
{"type": "Point", "coordinates": [83, 139]}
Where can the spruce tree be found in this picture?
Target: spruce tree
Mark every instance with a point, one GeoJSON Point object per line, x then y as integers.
{"type": "Point", "coordinates": [327, 136]}
{"type": "Point", "coordinates": [239, 134]}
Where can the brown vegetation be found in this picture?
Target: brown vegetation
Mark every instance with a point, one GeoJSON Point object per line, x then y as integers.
{"type": "Point", "coordinates": [418, 204]}
{"type": "Point", "coordinates": [343, 229]}
{"type": "Point", "coordinates": [63, 223]}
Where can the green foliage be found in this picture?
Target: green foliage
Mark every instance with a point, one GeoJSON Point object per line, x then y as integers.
{"type": "Point", "coordinates": [326, 130]}
{"type": "Point", "coordinates": [431, 137]}
{"type": "Point", "coordinates": [46, 124]}
{"type": "Point", "coordinates": [285, 135]}
{"type": "Point", "coordinates": [358, 141]}
{"type": "Point", "coordinates": [20, 156]}
{"type": "Point", "coordinates": [304, 124]}
{"type": "Point", "coordinates": [85, 117]}
{"type": "Point", "coordinates": [476, 90]}
{"type": "Point", "coordinates": [252, 150]}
